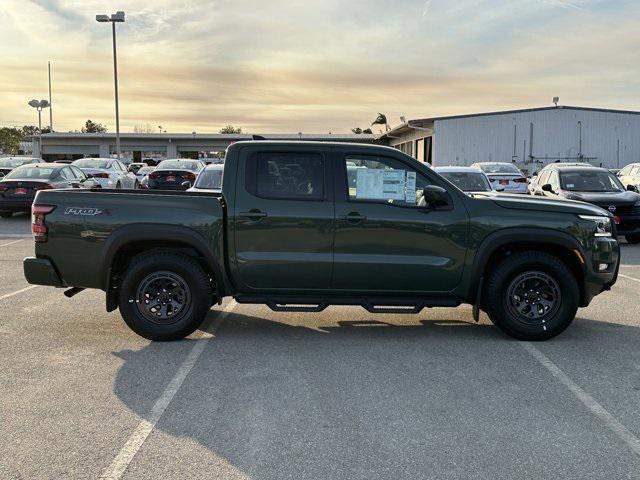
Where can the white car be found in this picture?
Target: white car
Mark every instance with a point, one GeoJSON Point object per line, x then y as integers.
{"type": "Point", "coordinates": [630, 175]}
{"type": "Point", "coordinates": [468, 179]}
{"type": "Point", "coordinates": [143, 176]}
{"type": "Point", "coordinates": [209, 180]}
{"type": "Point", "coordinates": [505, 175]}
{"type": "Point", "coordinates": [109, 172]}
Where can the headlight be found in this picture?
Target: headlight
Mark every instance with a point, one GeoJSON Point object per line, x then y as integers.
{"type": "Point", "coordinates": [602, 224]}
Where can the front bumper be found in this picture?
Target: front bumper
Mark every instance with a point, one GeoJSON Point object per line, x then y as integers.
{"type": "Point", "coordinates": [41, 271]}
{"type": "Point", "coordinates": [605, 251]}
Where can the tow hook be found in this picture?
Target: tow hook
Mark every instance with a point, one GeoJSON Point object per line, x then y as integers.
{"type": "Point", "coordinates": [72, 291]}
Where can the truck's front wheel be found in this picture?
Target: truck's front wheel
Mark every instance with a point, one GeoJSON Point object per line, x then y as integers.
{"type": "Point", "coordinates": [164, 295]}
{"type": "Point", "coordinates": [531, 296]}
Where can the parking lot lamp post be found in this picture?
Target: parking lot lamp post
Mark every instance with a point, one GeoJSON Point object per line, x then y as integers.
{"type": "Point", "coordinates": [39, 105]}
{"type": "Point", "coordinates": [114, 18]}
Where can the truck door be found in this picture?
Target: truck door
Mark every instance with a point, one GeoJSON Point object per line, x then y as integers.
{"type": "Point", "coordinates": [283, 220]}
{"type": "Point", "coordinates": [387, 239]}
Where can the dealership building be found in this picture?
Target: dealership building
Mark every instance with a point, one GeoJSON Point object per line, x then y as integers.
{"type": "Point", "coordinates": [528, 137]}
{"type": "Point", "coordinates": [137, 146]}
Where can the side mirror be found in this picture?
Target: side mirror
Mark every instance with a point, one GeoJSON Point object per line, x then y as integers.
{"type": "Point", "coordinates": [547, 188]}
{"type": "Point", "coordinates": [186, 184]}
{"type": "Point", "coordinates": [435, 196]}
{"type": "Point", "coordinates": [534, 174]}
{"type": "Point", "coordinates": [632, 188]}
{"type": "Point", "coordinates": [89, 175]}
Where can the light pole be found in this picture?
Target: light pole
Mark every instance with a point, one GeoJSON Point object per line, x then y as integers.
{"type": "Point", "coordinates": [39, 105]}
{"type": "Point", "coordinates": [114, 18]}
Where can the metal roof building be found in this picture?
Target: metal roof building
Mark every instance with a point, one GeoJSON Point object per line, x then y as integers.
{"type": "Point", "coordinates": [528, 137]}
{"type": "Point", "coordinates": [165, 145]}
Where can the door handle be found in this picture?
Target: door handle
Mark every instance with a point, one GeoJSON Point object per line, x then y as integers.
{"type": "Point", "coordinates": [352, 217]}
{"type": "Point", "coordinates": [253, 214]}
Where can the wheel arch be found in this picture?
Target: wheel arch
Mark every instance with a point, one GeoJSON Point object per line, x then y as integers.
{"type": "Point", "coordinates": [128, 241]}
{"type": "Point", "coordinates": [502, 243]}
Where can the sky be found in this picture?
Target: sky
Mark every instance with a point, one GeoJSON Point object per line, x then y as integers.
{"type": "Point", "coordinates": [313, 66]}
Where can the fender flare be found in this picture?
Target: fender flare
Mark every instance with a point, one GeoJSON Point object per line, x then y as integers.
{"type": "Point", "coordinates": [496, 240]}
{"type": "Point", "coordinates": [151, 232]}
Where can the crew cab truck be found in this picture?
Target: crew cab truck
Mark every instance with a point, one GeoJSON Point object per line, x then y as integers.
{"type": "Point", "coordinates": [300, 226]}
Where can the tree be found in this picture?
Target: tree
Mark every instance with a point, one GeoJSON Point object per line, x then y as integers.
{"type": "Point", "coordinates": [92, 127]}
{"type": "Point", "coordinates": [381, 119]}
{"type": "Point", "coordinates": [10, 139]}
{"type": "Point", "coordinates": [230, 129]}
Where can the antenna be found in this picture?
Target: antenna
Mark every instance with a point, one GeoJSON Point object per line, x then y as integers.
{"type": "Point", "coordinates": [556, 100]}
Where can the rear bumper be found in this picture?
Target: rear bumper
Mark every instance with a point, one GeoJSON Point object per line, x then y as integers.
{"type": "Point", "coordinates": [606, 251]}
{"type": "Point", "coordinates": [12, 205]}
{"type": "Point", "coordinates": [41, 271]}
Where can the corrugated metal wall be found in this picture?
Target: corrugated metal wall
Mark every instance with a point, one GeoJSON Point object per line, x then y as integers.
{"type": "Point", "coordinates": [608, 138]}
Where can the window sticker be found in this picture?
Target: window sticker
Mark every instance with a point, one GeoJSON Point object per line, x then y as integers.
{"type": "Point", "coordinates": [379, 184]}
{"type": "Point", "coordinates": [410, 188]}
{"type": "Point", "coordinates": [571, 185]}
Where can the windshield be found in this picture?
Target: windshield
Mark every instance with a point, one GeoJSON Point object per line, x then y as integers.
{"type": "Point", "coordinates": [91, 163]}
{"type": "Point", "coordinates": [14, 162]}
{"type": "Point", "coordinates": [179, 165]}
{"type": "Point", "coordinates": [30, 172]}
{"type": "Point", "coordinates": [590, 182]}
{"type": "Point", "coordinates": [498, 168]}
{"type": "Point", "coordinates": [210, 178]}
{"type": "Point", "coordinates": [468, 181]}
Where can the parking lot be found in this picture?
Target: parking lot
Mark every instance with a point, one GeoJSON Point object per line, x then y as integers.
{"type": "Point", "coordinates": [338, 394]}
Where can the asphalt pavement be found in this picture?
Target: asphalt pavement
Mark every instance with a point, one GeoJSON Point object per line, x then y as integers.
{"type": "Point", "coordinates": [338, 394]}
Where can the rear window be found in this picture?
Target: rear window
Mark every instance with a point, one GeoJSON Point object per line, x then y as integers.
{"type": "Point", "coordinates": [287, 175]}
{"type": "Point", "coordinates": [499, 168]}
{"type": "Point", "coordinates": [468, 181]}
{"type": "Point", "coordinates": [29, 172]}
{"type": "Point", "coordinates": [91, 163]}
{"type": "Point", "coordinates": [210, 178]}
{"type": "Point", "coordinates": [145, 170]}
{"type": "Point", "coordinates": [179, 165]}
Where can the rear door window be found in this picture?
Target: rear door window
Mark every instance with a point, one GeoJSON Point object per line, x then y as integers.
{"type": "Point", "coordinates": [288, 175]}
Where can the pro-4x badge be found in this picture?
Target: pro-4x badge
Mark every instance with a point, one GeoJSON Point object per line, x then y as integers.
{"type": "Point", "coordinates": [84, 211]}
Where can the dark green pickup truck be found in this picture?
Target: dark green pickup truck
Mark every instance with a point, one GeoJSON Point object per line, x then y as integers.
{"type": "Point", "coordinates": [300, 226]}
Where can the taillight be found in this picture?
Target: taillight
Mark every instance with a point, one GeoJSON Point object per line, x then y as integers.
{"type": "Point", "coordinates": [100, 175]}
{"type": "Point", "coordinates": [520, 180]}
{"type": "Point", "coordinates": [44, 186]}
{"type": "Point", "coordinates": [38, 226]}
{"type": "Point", "coordinates": [154, 175]}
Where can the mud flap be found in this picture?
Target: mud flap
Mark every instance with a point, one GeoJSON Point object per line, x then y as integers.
{"type": "Point", "coordinates": [476, 305]}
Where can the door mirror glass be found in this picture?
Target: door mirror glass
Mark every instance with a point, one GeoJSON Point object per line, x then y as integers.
{"type": "Point", "coordinates": [547, 188]}
{"type": "Point", "coordinates": [632, 188]}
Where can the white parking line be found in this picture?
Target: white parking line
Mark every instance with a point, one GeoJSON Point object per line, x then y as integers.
{"type": "Point", "coordinates": [628, 277]}
{"type": "Point", "coordinates": [18, 291]}
{"type": "Point", "coordinates": [145, 427]}
{"type": "Point", "coordinates": [15, 235]}
{"type": "Point", "coordinates": [587, 400]}
{"type": "Point", "coordinates": [11, 243]}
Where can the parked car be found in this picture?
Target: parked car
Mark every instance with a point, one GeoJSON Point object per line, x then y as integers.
{"type": "Point", "coordinates": [175, 174]}
{"type": "Point", "coordinates": [134, 167]}
{"type": "Point", "coordinates": [505, 174]}
{"type": "Point", "coordinates": [9, 163]}
{"type": "Point", "coordinates": [468, 179]}
{"type": "Point", "coordinates": [290, 232]}
{"type": "Point", "coordinates": [143, 176]}
{"type": "Point", "coordinates": [534, 181]}
{"type": "Point", "coordinates": [630, 175]}
{"type": "Point", "coordinates": [209, 179]}
{"type": "Point", "coordinates": [600, 187]}
{"type": "Point", "coordinates": [19, 187]}
{"type": "Point", "coordinates": [109, 172]}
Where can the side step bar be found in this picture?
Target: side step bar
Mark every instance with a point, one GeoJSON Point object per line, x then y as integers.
{"type": "Point", "coordinates": [407, 305]}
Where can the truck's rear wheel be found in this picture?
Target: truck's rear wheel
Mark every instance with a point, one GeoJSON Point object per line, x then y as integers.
{"type": "Point", "coordinates": [164, 295]}
{"type": "Point", "coordinates": [531, 296]}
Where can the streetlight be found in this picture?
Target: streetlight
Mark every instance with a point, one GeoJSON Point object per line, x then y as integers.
{"type": "Point", "coordinates": [39, 105]}
{"type": "Point", "coordinates": [116, 17]}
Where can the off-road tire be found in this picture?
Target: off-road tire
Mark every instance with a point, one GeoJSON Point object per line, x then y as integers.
{"type": "Point", "coordinates": [168, 264]}
{"type": "Point", "coordinates": [503, 290]}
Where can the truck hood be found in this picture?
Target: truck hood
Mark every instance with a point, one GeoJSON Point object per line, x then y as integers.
{"type": "Point", "coordinates": [519, 202]}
